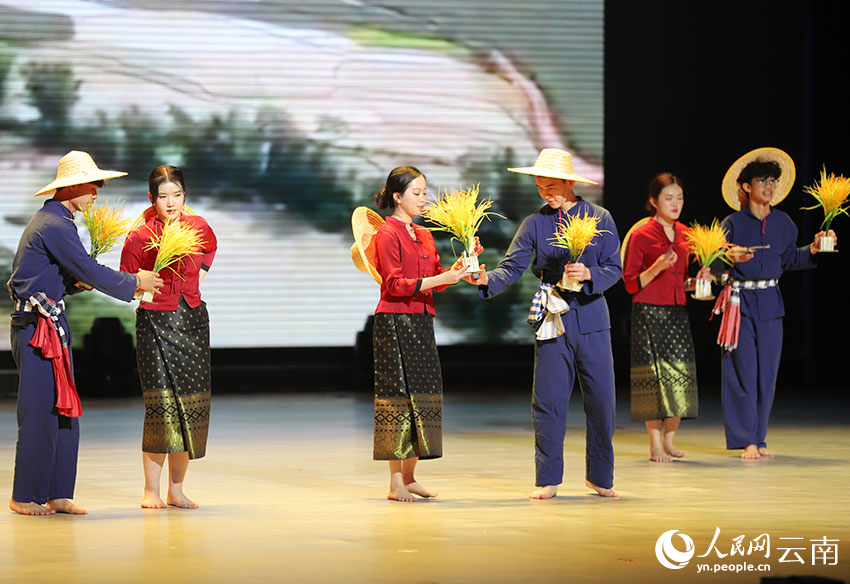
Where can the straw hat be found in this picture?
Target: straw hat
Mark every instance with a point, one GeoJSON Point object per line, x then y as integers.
{"type": "Point", "coordinates": [732, 189]}
{"type": "Point", "coordinates": [554, 163]}
{"type": "Point", "coordinates": [77, 168]}
{"type": "Point", "coordinates": [624, 246]}
{"type": "Point", "coordinates": [365, 223]}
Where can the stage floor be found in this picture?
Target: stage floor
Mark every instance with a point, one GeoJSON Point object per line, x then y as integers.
{"type": "Point", "coordinates": [288, 493]}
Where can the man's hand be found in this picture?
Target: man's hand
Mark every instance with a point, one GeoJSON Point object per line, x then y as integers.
{"type": "Point", "coordinates": [148, 281]}
{"type": "Point", "coordinates": [740, 254]}
{"type": "Point", "coordinates": [578, 272]}
{"type": "Point", "coordinates": [814, 247]}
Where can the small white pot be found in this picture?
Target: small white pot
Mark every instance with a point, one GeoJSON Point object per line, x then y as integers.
{"type": "Point", "coordinates": [702, 289]}
{"type": "Point", "coordinates": [569, 284]}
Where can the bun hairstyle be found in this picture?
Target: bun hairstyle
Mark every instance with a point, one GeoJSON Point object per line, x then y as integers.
{"type": "Point", "coordinates": [658, 184]}
{"type": "Point", "coordinates": [165, 174]}
{"type": "Point", "coordinates": [397, 182]}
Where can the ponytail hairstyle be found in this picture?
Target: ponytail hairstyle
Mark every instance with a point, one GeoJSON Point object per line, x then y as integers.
{"type": "Point", "coordinates": [658, 184]}
{"type": "Point", "coordinates": [397, 182]}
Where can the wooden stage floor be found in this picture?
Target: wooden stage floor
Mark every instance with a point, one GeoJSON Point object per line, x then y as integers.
{"type": "Point", "coordinates": [288, 493]}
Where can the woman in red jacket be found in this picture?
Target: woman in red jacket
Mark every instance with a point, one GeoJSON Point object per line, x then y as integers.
{"type": "Point", "coordinates": [408, 382]}
{"type": "Point", "coordinates": [663, 367]}
{"type": "Point", "coordinates": [172, 344]}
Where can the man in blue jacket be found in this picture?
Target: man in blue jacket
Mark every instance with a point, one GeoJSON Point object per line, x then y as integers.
{"type": "Point", "coordinates": [49, 262]}
{"type": "Point", "coordinates": [573, 327]}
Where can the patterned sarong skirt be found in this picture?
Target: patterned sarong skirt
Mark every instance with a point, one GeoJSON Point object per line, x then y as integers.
{"type": "Point", "coordinates": [408, 388]}
{"type": "Point", "coordinates": [173, 354]}
{"type": "Point", "coordinates": [663, 375]}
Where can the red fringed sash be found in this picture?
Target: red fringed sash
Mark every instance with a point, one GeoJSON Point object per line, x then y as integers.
{"type": "Point", "coordinates": [728, 303]}
{"type": "Point", "coordinates": [46, 338]}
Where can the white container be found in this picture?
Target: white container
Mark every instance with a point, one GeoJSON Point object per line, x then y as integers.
{"type": "Point", "coordinates": [568, 283]}
{"type": "Point", "coordinates": [827, 243]}
{"type": "Point", "coordinates": [470, 261]}
{"type": "Point", "coordinates": [147, 296]}
{"type": "Point", "coordinates": [702, 289]}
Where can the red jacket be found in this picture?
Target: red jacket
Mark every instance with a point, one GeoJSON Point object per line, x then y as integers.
{"type": "Point", "coordinates": [402, 263]}
{"type": "Point", "coordinates": [181, 279]}
{"type": "Point", "coordinates": [646, 244]}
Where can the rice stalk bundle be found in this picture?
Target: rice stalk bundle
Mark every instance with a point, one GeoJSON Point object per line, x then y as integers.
{"type": "Point", "coordinates": [831, 193]}
{"type": "Point", "coordinates": [106, 226]}
{"type": "Point", "coordinates": [459, 213]}
{"type": "Point", "coordinates": [176, 241]}
{"type": "Point", "coordinates": [708, 243]}
{"type": "Point", "coordinates": [575, 233]}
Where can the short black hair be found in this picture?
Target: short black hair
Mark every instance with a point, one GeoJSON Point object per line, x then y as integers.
{"type": "Point", "coordinates": [760, 169]}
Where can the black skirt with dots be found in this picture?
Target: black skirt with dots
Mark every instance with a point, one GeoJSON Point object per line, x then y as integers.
{"type": "Point", "coordinates": [173, 354]}
{"type": "Point", "coordinates": [408, 388]}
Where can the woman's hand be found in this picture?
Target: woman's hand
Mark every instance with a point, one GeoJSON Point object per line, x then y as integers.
{"type": "Point", "coordinates": [740, 254]}
{"type": "Point", "coordinates": [577, 271]}
{"type": "Point", "coordinates": [664, 262]}
{"type": "Point", "coordinates": [454, 274]}
{"type": "Point", "coordinates": [703, 274]}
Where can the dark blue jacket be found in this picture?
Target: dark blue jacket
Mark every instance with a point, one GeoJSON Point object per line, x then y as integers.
{"type": "Point", "coordinates": [51, 258]}
{"type": "Point", "coordinates": [779, 232]}
{"type": "Point", "coordinates": [532, 243]}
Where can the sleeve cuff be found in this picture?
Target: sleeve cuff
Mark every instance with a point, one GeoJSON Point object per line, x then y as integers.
{"type": "Point", "coordinates": [205, 267]}
{"type": "Point", "coordinates": [418, 286]}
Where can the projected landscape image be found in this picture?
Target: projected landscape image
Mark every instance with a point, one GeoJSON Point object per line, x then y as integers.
{"type": "Point", "coordinates": [285, 116]}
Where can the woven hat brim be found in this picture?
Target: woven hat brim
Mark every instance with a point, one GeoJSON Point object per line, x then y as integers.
{"type": "Point", "coordinates": [365, 224]}
{"type": "Point", "coordinates": [624, 246]}
{"type": "Point", "coordinates": [785, 183]}
{"type": "Point", "coordinates": [79, 179]}
{"type": "Point", "coordinates": [550, 173]}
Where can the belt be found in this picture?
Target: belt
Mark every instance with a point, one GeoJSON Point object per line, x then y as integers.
{"type": "Point", "coordinates": [754, 284]}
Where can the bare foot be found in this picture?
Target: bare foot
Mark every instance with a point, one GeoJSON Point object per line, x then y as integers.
{"type": "Point", "coordinates": [180, 500]}
{"type": "Point", "coordinates": [658, 456]}
{"type": "Point", "coordinates": [29, 508]}
{"type": "Point", "coordinates": [400, 493]}
{"type": "Point", "coordinates": [602, 492]}
{"type": "Point", "coordinates": [673, 451]}
{"type": "Point", "coordinates": [763, 451]}
{"type": "Point", "coordinates": [417, 489]}
{"type": "Point", "coordinates": [153, 501]}
{"type": "Point", "coordinates": [750, 452]}
{"type": "Point", "coordinates": [549, 492]}
{"type": "Point", "coordinates": [65, 506]}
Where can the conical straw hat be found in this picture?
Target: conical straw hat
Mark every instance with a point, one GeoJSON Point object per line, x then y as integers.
{"type": "Point", "coordinates": [624, 246]}
{"type": "Point", "coordinates": [732, 191]}
{"type": "Point", "coordinates": [77, 168]}
{"type": "Point", "coordinates": [553, 163]}
{"type": "Point", "coordinates": [365, 224]}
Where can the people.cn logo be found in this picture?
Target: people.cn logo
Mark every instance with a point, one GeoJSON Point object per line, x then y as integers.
{"type": "Point", "coordinates": [667, 553]}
